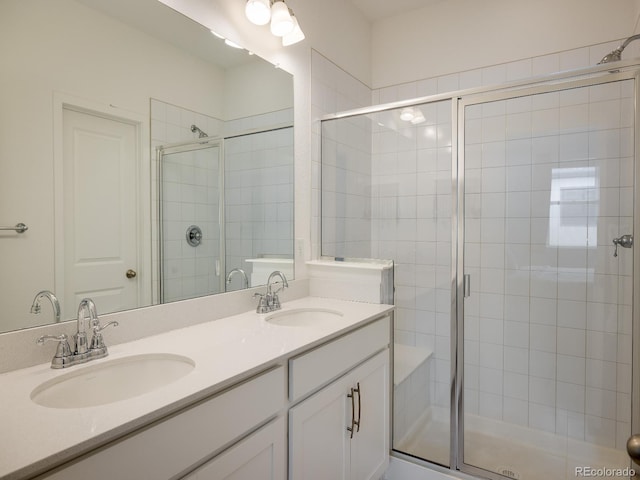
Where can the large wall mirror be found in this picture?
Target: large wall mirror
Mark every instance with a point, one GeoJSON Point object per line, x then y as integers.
{"type": "Point", "coordinates": [150, 161]}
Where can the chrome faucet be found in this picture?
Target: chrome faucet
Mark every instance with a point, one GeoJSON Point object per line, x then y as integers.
{"type": "Point", "coordinates": [241, 272]}
{"type": "Point", "coordinates": [64, 356]}
{"type": "Point", "coordinates": [86, 306]}
{"type": "Point", "coordinates": [36, 306]}
{"type": "Point", "coordinates": [268, 302]}
{"type": "Point", "coordinates": [274, 295]}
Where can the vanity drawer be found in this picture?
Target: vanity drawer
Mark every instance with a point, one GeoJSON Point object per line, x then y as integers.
{"type": "Point", "coordinates": [318, 367]}
{"type": "Point", "coordinates": [173, 446]}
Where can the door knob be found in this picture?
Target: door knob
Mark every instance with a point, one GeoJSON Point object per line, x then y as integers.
{"type": "Point", "coordinates": [131, 273]}
{"type": "Point", "coordinates": [633, 448]}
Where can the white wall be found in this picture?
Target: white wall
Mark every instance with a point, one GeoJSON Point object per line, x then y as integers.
{"type": "Point", "coordinates": [450, 37]}
{"type": "Point", "coordinates": [256, 88]}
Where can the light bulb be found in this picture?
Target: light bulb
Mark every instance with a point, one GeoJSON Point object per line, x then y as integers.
{"type": "Point", "coordinates": [281, 21]}
{"type": "Point", "coordinates": [418, 117]}
{"type": "Point", "coordinates": [295, 36]}
{"type": "Point", "coordinates": [258, 11]}
{"type": "Point", "coordinates": [407, 114]}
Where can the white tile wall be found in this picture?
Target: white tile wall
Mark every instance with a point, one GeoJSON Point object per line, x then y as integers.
{"type": "Point", "coordinates": [411, 205]}
{"type": "Point", "coordinates": [259, 192]}
{"type": "Point", "coordinates": [258, 196]}
{"type": "Point", "coordinates": [347, 155]}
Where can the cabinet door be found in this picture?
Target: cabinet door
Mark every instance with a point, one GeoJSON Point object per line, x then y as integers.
{"type": "Point", "coordinates": [370, 444]}
{"type": "Point", "coordinates": [318, 437]}
{"type": "Point", "coordinates": [260, 456]}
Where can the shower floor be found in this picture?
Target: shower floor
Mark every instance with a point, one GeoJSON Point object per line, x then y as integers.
{"type": "Point", "coordinates": [524, 461]}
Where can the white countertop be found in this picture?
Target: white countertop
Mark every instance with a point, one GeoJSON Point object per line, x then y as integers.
{"type": "Point", "coordinates": [225, 351]}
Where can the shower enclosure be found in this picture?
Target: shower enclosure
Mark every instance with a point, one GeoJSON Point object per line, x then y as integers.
{"type": "Point", "coordinates": [509, 214]}
{"type": "Point", "coordinates": [224, 205]}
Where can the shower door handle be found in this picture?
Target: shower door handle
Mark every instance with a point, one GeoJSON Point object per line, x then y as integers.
{"type": "Point", "coordinates": [466, 285]}
{"type": "Point", "coordinates": [625, 241]}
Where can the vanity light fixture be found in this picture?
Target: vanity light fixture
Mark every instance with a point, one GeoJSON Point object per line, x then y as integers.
{"type": "Point", "coordinates": [296, 34]}
{"type": "Point", "coordinates": [406, 115]}
{"type": "Point", "coordinates": [258, 11]}
{"type": "Point", "coordinates": [418, 117]}
{"type": "Point", "coordinates": [283, 22]}
{"type": "Point", "coordinates": [413, 115]}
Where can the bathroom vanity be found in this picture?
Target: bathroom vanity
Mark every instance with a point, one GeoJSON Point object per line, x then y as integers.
{"type": "Point", "coordinates": [299, 393]}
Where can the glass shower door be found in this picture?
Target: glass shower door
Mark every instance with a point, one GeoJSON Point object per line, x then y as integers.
{"type": "Point", "coordinates": [547, 352]}
{"type": "Point", "coordinates": [191, 241]}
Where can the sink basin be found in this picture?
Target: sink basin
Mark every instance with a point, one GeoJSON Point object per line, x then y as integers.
{"type": "Point", "coordinates": [304, 317]}
{"type": "Point", "coordinates": [112, 381]}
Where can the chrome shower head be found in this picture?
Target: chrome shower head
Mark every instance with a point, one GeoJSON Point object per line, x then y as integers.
{"type": "Point", "coordinates": [616, 55]}
{"type": "Point", "coordinates": [195, 129]}
{"type": "Point", "coordinates": [613, 56]}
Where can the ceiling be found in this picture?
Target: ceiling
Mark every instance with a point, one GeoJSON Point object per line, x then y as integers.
{"type": "Point", "coordinates": [377, 9]}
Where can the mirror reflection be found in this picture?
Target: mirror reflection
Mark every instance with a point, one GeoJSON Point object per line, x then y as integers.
{"type": "Point", "coordinates": [149, 161]}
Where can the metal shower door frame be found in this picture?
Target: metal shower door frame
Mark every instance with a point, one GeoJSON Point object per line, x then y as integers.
{"type": "Point", "coordinates": [570, 81]}
{"type": "Point", "coordinates": [200, 144]}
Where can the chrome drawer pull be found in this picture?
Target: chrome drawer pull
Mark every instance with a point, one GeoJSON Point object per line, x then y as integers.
{"type": "Point", "coordinates": [353, 413]}
{"type": "Point", "coordinates": [357, 389]}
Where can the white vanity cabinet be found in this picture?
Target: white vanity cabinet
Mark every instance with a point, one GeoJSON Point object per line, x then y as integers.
{"type": "Point", "coordinates": [324, 415]}
{"type": "Point", "coordinates": [342, 431]}
{"type": "Point", "coordinates": [175, 446]}
{"type": "Point", "coordinates": [260, 456]}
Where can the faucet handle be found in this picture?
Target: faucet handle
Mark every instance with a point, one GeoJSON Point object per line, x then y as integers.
{"type": "Point", "coordinates": [63, 350]}
{"type": "Point", "coordinates": [97, 342]}
{"type": "Point", "coordinates": [97, 328]}
{"type": "Point", "coordinates": [264, 302]}
{"type": "Point", "coordinates": [275, 302]}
